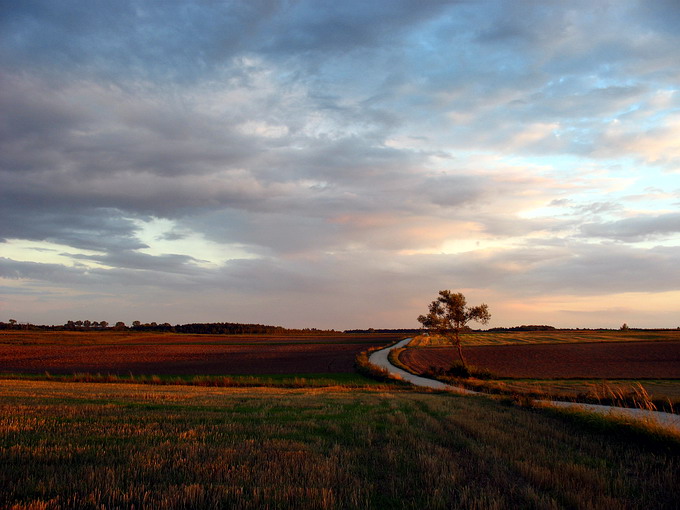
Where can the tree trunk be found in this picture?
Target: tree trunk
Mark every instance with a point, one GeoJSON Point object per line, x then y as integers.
{"type": "Point", "coordinates": [460, 350]}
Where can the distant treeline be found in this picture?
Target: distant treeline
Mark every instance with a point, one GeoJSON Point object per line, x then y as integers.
{"type": "Point", "coordinates": [229, 328]}
{"type": "Point", "coordinates": [524, 328]}
{"type": "Point", "coordinates": [395, 331]}
{"type": "Point", "coordinates": [217, 328]}
{"type": "Point", "coordinates": [465, 329]}
{"type": "Point", "coordinates": [233, 328]}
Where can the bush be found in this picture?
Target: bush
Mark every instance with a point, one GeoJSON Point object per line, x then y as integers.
{"type": "Point", "coordinates": [367, 369]}
{"type": "Point", "coordinates": [459, 371]}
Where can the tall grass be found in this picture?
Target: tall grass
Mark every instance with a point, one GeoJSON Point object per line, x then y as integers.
{"type": "Point", "coordinates": [622, 393]}
{"type": "Point", "coordinates": [364, 367]}
{"type": "Point", "coordinates": [117, 446]}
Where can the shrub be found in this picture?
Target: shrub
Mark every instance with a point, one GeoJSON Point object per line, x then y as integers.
{"type": "Point", "coordinates": [366, 368]}
{"type": "Point", "coordinates": [462, 371]}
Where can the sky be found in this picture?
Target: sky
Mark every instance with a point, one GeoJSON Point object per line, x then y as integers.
{"type": "Point", "coordinates": [332, 164]}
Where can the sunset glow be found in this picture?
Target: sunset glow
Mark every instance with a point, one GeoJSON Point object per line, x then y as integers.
{"type": "Point", "coordinates": [336, 164]}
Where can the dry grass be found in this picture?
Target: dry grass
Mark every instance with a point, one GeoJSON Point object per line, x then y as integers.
{"type": "Point", "coordinates": [367, 369]}
{"type": "Point", "coordinates": [660, 395]}
{"type": "Point", "coordinates": [116, 445]}
{"type": "Point", "coordinates": [539, 337]}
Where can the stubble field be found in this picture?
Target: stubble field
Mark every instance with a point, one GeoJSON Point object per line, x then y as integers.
{"type": "Point", "coordinates": [556, 336]}
{"type": "Point", "coordinates": [122, 446]}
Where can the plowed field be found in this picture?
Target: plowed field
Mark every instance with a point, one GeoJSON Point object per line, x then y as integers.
{"type": "Point", "coordinates": [183, 355]}
{"type": "Point", "coordinates": [614, 360]}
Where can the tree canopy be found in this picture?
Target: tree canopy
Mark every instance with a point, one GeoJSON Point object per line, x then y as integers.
{"type": "Point", "coordinates": [449, 314]}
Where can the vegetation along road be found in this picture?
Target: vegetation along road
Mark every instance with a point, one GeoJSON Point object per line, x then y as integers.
{"type": "Point", "coordinates": [380, 358]}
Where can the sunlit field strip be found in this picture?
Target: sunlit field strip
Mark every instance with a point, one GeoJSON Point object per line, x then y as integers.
{"type": "Point", "coordinates": [558, 336]}
{"type": "Point", "coordinates": [77, 445]}
{"type": "Point", "coordinates": [153, 338]}
{"type": "Point", "coordinates": [473, 338]}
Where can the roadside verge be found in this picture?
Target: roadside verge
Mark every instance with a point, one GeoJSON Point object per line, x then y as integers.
{"type": "Point", "coordinates": [380, 359]}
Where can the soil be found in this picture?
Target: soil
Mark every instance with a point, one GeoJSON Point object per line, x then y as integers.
{"type": "Point", "coordinates": [612, 360]}
{"type": "Point", "coordinates": [293, 357]}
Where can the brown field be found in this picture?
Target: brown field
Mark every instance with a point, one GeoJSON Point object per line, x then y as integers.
{"type": "Point", "coordinates": [19, 337]}
{"type": "Point", "coordinates": [174, 354]}
{"type": "Point", "coordinates": [611, 360]}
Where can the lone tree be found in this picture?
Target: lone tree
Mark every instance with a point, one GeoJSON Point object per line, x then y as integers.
{"type": "Point", "coordinates": [449, 315]}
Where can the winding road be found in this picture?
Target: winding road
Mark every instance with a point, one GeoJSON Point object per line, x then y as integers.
{"type": "Point", "coordinates": [380, 359]}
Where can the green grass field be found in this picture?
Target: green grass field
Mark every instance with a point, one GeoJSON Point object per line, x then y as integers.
{"type": "Point", "coordinates": [89, 445]}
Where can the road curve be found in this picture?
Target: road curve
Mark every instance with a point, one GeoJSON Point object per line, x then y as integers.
{"type": "Point", "coordinates": [380, 359]}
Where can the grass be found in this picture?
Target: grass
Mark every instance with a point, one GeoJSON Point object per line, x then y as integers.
{"type": "Point", "coordinates": [348, 380]}
{"type": "Point", "coordinates": [556, 336]}
{"type": "Point", "coordinates": [367, 369]}
{"type": "Point", "coordinates": [457, 373]}
{"type": "Point", "coordinates": [645, 429]}
{"type": "Point", "coordinates": [657, 395]}
{"type": "Point", "coordinates": [89, 445]}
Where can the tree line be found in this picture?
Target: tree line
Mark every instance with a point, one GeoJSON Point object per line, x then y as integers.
{"type": "Point", "coordinates": [216, 328]}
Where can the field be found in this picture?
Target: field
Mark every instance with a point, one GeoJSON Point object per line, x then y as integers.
{"type": "Point", "coordinates": [298, 429]}
{"type": "Point", "coordinates": [175, 354]}
{"type": "Point", "coordinates": [610, 367]}
{"type": "Point", "coordinates": [118, 445]}
{"type": "Point", "coordinates": [552, 337]}
{"type": "Point", "coordinates": [612, 360]}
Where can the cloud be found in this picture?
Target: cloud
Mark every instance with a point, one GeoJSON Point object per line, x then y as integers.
{"type": "Point", "coordinates": [635, 229]}
{"type": "Point", "coordinates": [360, 155]}
{"type": "Point", "coordinates": [180, 42]}
{"type": "Point", "coordinates": [53, 273]}
{"type": "Point", "coordinates": [99, 229]}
